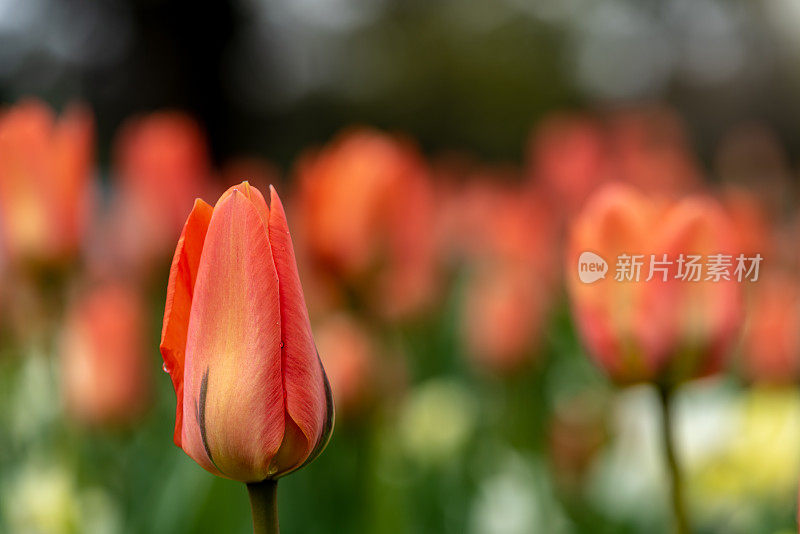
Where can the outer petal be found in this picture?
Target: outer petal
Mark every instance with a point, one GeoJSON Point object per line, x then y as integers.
{"type": "Point", "coordinates": [182, 278]}
{"type": "Point", "coordinates": [614, 221]}
{"type": "Point", "coordinates": [233, 391]}
{"type": "Point", "coordinates": [308, 399]}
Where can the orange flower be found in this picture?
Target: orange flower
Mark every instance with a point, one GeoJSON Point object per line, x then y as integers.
{"type": "Point", "coordinates": [161, 162]}
{"type": "Point", "coordinates": [660, 331]}
{"type": "Point", "coordinates": [366, 211]}
{"type": "Point", "coordinates": [506, 237]}
{"type": "Point", "coordinates": [104, 366]}
{"type": "Point", "coordinates": [45, 173]}
{"type": "Point", "coordinates": [504, 309]}
{"type": "Point", "coordinates": [253, 401]}
{"type": "Point", "coordinates": [771, 345]}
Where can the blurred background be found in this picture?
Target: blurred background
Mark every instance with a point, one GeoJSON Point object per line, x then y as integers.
{"type": "Point", "coordinates": [434, 157]}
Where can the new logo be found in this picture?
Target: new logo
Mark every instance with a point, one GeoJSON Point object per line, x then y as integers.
{"type": "Point", "coordinates": [591, 267]}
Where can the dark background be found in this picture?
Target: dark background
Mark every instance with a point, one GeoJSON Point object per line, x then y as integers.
{"type": "Point", "coordinates": [267, 78]}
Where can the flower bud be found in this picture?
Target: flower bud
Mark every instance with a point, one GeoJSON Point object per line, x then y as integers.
{"type": "Point", "coordinates": [253, 401]}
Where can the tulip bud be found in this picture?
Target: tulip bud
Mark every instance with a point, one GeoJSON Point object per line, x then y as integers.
{"type": "Point", "coordinates": [664, 329]}
{"type": "Point", "coordinates": [253, 401]}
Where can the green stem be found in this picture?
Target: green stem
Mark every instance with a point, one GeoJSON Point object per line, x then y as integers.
{"type": "Point", "coordinates": [264, 506]}
{"type": "Point", "coordinates": [673, 469]}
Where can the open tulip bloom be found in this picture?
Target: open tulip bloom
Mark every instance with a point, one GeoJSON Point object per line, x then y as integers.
{"type": "Point", "coordinates": [253, 401]}
{"type": "Point", "coordinates": [663, 331]}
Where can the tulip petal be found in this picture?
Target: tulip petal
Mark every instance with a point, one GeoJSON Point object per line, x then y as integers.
{"type": "Point", "coordinates": [308, 400]}
{"type": "Point", "coordinates": [182, 276]}
{"type": "Point", "coordinates": [233, 391]}
{"type": "Point", "coordinates": [253, 195]}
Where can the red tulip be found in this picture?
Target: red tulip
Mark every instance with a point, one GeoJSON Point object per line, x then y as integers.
{"type": "Point", "coordinates": [104, 365]}
{"type": "Point", "coordinates": [660, 331]}
{"type": "Point", "coordinates": [253, 401]}
{"type": "Point", "coordinates": [45, 180]}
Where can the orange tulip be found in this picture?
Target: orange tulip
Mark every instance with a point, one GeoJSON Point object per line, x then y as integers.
{"type": "Point", "coordinates": [504, 310]}
{"type": "Point", "coordinates": [367, 209]}
{"type": "Point", "coordinates": [253, 401]}
{"type": "Point", "coordinates": [659, 331]}
{"type": "Point", "coordinates": [161, 162]}
{"type": "Point", "coordinates": [771, 345]}
{"type": "Point", "coordinates": [45, 180]}
{"type": "Point", "coordinates": [510, 269]}
{"type": "Point", "coordinates": [104, 365]}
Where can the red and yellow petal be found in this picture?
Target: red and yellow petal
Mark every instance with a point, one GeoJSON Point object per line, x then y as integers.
{"type": "Point", "coordinates": [307, 393]}
{"type": "Point", "coordinates": [233, 385]}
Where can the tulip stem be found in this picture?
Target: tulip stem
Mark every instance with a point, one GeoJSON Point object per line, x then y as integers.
{"type": "Point", "coordinates": [673, 469]}
{"type": "Point", "coordinates": [264, 506]}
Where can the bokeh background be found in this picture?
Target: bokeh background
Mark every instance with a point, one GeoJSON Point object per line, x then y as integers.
{"type": "Point", "coordinates": [433, 156]}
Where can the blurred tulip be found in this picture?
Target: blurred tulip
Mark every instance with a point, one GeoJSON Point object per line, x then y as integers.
{"type": "Point", "coordinates": [651, 151]}
{"type": "Point", "coordinates": [569, 156]}
{"type": "Point", "coordinates": [733, 475]}
{"type": "Point", "coordinates": [348, 355]}
{"type": "Point", "coordinates": [771, 343]}
{"type": "Point", "coordinates": [510, 268]}
{"type": "Point", "coordinates": [104, 364]}
{"type": "Point", "coordinates": [491, 217]}
{"type": "Point", "coordinates": [502, 319]}
{"type": "Point", "coordinates": [366, 209]}
{"type": "Point", "coordinates": [657, 331]}
{"type": "Point", "coordinates": [253, 401]}
{"type": "Point", "coordinates": [752, 222]}
{"type": "Point", "coordinates": [45, 171]}
{"type": "Point", "coordinates": [161, 164]}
